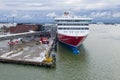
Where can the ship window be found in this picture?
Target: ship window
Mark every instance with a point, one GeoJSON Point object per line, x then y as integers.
{"type": "Point", "coordinates": [73, 20]}
{"type": "Point", "coordinates": [73, 28]}
{"type": "Point", "coordinates": [73, 24]}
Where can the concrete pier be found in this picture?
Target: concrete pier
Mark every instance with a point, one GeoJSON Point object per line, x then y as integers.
{"type": "Point", "coordinates": [33, 53]}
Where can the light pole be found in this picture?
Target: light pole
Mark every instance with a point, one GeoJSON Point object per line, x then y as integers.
{"type": "Point", "coordinates": [13, 20]}
{"type": "Point", "coordinates": [7, 21]}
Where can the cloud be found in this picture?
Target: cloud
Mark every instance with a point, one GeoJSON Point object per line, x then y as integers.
{"type": "Point", "coordinates": [23, 5]}
{"type": "Point", "coordinates": [57, 5]}
{"type": "Point", "coordinates": [40, 9]}
{"type": "Point", "coordinates": [34, 4]}
{"type": "Point", "coordinates": [51, 14]}
{"type": "Point", "coordinates": [96, 6]}
{"type": "Point", "coordinates": [116, 15]}
{"type": "Point", "coordinates": [100, 14]}
{"type": "Point", "coordinates": [26, 17]}
{"type": "Point", "coordinates": [103, 14]}
{"type": "Point", "coordinates": [2, 5]}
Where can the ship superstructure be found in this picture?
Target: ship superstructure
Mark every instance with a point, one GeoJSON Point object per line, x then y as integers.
{"type": "Point", "coordinates": [72, 30]}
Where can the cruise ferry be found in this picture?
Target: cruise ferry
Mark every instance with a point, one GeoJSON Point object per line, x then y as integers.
{"type": "Point", "coordinates": [72, 30]}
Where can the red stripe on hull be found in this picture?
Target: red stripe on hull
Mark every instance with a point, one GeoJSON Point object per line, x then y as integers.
{"type": "Point", "coordinates": [71, 40]}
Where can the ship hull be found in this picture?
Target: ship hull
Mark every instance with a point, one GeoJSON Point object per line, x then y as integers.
{"type": "Point", "coordinates": [72, 41]}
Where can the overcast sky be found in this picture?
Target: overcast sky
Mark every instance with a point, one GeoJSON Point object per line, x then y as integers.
{"type": "Point", "coordinates": [57, 4]}
{"type": "Point", "coordinates": [95, 8]}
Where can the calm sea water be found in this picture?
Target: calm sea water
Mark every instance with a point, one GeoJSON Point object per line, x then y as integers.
{"type": "Point", "coordinates": [99, 60]}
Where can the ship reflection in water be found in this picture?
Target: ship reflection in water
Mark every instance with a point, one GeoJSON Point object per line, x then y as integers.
{"type": "Point", "coordinates": [65, 54]}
